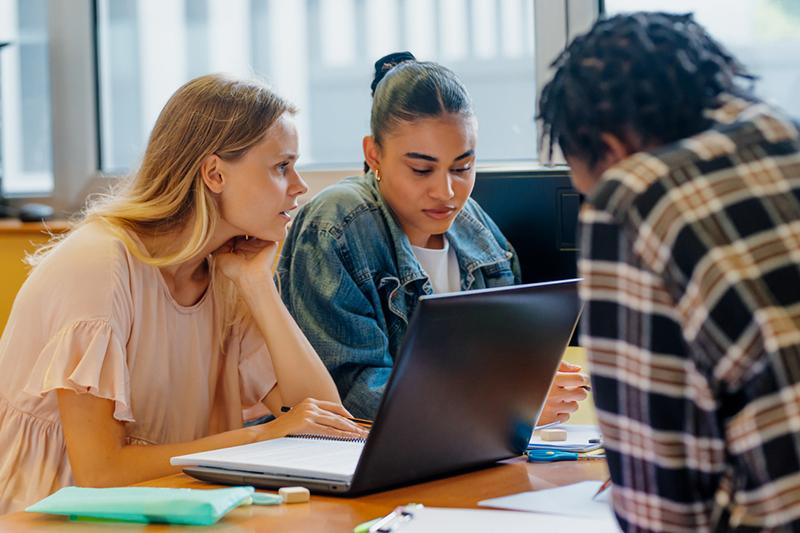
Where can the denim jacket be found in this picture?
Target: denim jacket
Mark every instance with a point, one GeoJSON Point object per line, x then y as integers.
{"type": "Point", "coordinates": [348, 276]}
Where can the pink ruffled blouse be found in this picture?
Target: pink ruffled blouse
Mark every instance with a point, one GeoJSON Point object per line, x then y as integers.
{"type": "Point", "coordinates": [94, 319]}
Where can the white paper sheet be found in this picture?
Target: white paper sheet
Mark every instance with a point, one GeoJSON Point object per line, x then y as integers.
{"type": "Point", "coordinates": [578, 438]}
{"type": "Point", "coordinates": [437, 519]}
{"type": "Point", "coordinates": [570, 500]}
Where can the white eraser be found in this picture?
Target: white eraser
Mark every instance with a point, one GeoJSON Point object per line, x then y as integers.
{"type": "Point", "coordinates": [294, 494]}
{"type": "Point", "coordinates": [553, 434]}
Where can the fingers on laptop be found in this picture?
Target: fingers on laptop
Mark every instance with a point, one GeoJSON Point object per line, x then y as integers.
{"type": "Point", "coordinates": [567, 389]}
{"type": "Point", "coordinates": [569, 395]}
{"type": "Point", "coordinates": [561, 418]}
{"type": "Point", "coordinates": [566, 366]}
{"type": "Point", "coordinates": [571, 379]}
{"type": "Point", "coordinates": [563, 411]}
{"type": "Point", "coordinates": [568, 408]}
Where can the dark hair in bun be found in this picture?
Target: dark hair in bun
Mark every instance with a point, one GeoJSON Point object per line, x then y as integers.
{"type": "Point", "coordinates": [386, 63]}
{"type": "Point", "coordinates": [405, 90]}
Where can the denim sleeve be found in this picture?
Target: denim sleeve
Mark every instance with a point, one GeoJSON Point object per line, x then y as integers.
{"type": "Point", "coordinates": [337, 316]}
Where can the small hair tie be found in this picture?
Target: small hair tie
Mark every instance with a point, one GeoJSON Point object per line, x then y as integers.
{"type": "Point", "coordinates": [387, 63]}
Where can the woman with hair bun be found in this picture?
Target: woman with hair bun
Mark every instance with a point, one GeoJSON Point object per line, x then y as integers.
{"type": "Point", "coordinates": [145, 332]}
{"type": "Point", "coordinates": [360, 254]}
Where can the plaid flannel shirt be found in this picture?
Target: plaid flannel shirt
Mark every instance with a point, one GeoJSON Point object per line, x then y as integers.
{"type": "Point", "coordinates": [690, 256]}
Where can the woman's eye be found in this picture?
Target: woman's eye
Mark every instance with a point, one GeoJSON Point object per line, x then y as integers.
{"type": "Point", "coordinates": [421, 171]}
{"type": "Point", "coordinates": [461, 170]}
{"type": "Point", "coordinates": [283, 166]}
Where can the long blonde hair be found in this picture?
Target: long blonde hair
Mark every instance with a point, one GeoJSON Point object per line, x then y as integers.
{"type": "Point", "coordinates": [212, 114]}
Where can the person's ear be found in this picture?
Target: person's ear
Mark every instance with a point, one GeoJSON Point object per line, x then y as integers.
{"type": "Point", "coordinates": [372, 152]}
{"type": "Point", "coordinates": [212, 175]}
{"type": "Point", "coordinates": [616, 149]}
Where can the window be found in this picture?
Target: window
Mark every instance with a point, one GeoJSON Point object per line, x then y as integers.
{"type": "Point", "coordinates": [25, 135]}
{"type": "Point", "coordinates": [763, 34]}
{"type": "Point", "coordinates": [319, 54]}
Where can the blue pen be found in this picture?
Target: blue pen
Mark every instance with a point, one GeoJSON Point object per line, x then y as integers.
{"type": "Point", "coordinates": [550, 456]}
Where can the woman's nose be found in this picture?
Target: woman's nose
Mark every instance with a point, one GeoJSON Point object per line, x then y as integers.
{"type": "Point", "coordinates": [443, 190]}
{"type": "Point", "coordinates": [299, 185]}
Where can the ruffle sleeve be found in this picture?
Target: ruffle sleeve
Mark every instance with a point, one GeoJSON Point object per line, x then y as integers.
{"type": "Point", "coordinates": [86, 357]}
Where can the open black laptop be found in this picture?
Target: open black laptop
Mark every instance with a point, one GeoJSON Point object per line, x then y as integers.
{"type": "Point", "coordinates": [466, 390]}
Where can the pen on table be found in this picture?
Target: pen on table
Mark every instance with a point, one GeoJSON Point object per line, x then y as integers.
{"type": "Point", "coordinates": [359, 421]}
{"type": "Point", "coordinates": [603, 487]}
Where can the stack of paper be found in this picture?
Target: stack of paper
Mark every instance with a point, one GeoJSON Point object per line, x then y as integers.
{"type": "Point", "coordinates": [580, 439]}
{"type": "Point", "coordinates": [576, 500]}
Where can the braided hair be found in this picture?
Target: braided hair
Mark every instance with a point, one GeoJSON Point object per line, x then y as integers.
{"type": "Point", "coordinates": [643, 76]}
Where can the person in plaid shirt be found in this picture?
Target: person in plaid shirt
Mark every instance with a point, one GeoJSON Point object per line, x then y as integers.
{"type": "Point", "coordinates": [690, 254]}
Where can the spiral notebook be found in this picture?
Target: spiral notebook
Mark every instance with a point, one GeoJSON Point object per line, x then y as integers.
{"type": "Point", "coordinates": [302, 457]}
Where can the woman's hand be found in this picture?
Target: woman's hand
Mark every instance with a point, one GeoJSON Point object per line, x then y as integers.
{"type": "Point", "coordinates": [565, 393]}
{"type": "Point", "coordinates": [315, 417]}
{"type": "Point", "coordinates": [243, 259]}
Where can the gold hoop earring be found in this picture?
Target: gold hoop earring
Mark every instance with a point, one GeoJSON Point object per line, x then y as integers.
{"type": "Point", "coordinates": [377, 175]}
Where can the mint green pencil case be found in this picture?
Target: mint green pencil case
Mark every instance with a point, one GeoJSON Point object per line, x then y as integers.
{"type": "Point", "coordinates": [145, 504]}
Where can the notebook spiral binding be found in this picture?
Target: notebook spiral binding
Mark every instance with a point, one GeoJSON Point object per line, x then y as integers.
{"type": "Point", "coordinates": [325, 437]}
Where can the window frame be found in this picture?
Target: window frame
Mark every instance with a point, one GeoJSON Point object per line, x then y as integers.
{"type": "Point", "coordinates": [74, 96]}
{"type": "Point", "coordinates": [13, 95]}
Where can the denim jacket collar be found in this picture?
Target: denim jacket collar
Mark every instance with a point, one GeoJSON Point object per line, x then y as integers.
{"type": "Point", "coordinates": [408, 268]}
{"type": "Point", "coordinates": [474, 244]}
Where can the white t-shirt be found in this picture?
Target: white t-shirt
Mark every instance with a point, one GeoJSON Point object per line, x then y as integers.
{"type": "Point", "coordinates": [441, 267]}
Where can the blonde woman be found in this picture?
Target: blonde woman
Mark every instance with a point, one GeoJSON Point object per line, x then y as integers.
{"type": "Point", "coordinates": [146, 331]}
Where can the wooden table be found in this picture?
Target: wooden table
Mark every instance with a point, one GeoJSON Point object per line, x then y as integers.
{"type": "Point", "coordinates": [342, 514]}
